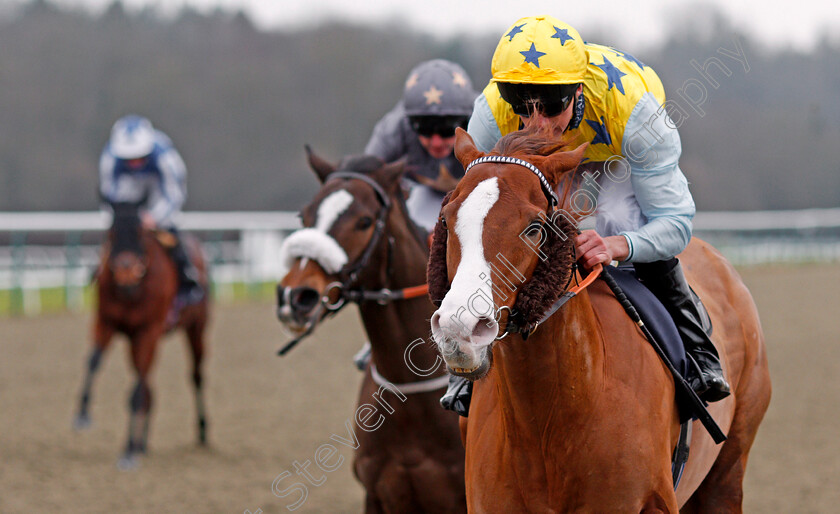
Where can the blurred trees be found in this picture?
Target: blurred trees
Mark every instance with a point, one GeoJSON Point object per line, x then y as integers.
{"type": "Point", "coordinates": [240, 104]}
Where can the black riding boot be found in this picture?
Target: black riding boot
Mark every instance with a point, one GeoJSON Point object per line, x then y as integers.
{"type": "Point", "coordinates": [189, 290]}
{"type": "Point", "coordinates": [458, 395]}
{"type": "Point", "coordinates": [666, 281]}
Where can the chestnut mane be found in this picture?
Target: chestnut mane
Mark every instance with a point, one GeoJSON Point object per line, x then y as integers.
{"type": "Point", "coordinates": [532, 141]}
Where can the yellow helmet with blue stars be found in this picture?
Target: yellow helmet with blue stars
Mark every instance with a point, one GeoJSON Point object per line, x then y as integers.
{"type": "Point", "coordinates": [540, 50]}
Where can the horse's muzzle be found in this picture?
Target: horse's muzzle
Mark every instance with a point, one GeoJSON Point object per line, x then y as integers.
{"type": "Point", "coordinates": [296, 306]}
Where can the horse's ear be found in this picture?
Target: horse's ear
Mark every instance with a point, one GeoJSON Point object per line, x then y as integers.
{"type": "Point", "coordinates": [465, 149]}
{"type": "Point", "coordinates": [321, 167]}
{"type": "Point", "coordinates": [389, 174]}
{"type": "Point", "coordinates": [556, 165]}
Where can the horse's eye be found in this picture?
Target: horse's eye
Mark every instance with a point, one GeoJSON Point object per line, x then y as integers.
{"type": "Point", "coordinates": [443, 223]}
{"type": "Point", "coordinates": [534, 230]}
{"type": "Point", "coordinates": [364, 223]}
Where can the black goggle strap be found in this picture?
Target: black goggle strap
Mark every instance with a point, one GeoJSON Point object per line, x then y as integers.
{"type": "Point", "coordinates": [553, 200]}
{"type": "Point", "coordinates": [577, 115]}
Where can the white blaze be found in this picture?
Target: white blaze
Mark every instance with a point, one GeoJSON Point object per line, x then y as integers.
{"type": "Point", "coordinates": [316, 243]}
{"type": "Point", "coordinates": [470, 296]}
{"type": "Point", "coordinates": [331, 208]}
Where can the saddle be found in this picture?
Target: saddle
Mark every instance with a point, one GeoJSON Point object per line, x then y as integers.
{"type": "Point", "coordinates": [653, 313]}
{"type": "Point", "coordinates": [663, 329]}
{"type": "Point", "coordinates": [660, 323]}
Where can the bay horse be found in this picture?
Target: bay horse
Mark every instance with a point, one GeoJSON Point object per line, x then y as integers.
{"type": "Point", "coordinates": [360, 245]}
{"type": "Point", "coordinates": [136, 286]}
{"type": "Point", "coordinates": [581, 416]}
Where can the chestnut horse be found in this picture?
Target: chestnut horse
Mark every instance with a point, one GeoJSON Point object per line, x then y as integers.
{"type": "Point", "coordinates": [137, 284]}
{"type": "Point", "coordinates": [359, 245]}
{"type": "Point", "coordinates": [582, 415]}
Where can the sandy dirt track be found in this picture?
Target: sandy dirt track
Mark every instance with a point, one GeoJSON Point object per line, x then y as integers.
{"type": "Point", "coordinates": [266, 412]}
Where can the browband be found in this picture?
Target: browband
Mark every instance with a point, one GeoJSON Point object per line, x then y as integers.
{"type": "Point", "coordinates": [549, 192]}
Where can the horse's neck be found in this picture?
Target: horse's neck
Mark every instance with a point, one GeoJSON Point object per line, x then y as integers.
{"type": "Point", "coordinates": [551, 378]}
{"type": "Point", "coordinates": [393, 326]}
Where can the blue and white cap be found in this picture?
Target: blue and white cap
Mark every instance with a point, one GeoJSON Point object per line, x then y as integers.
{"type": "Point", "coordinates": [132, 137]}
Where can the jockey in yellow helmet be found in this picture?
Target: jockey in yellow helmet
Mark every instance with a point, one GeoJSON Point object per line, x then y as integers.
{"type": "Point", "coordinates": [545, 74]}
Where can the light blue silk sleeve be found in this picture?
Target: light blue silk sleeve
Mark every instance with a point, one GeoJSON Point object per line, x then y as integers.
{"type": "Point", "coordinates": [482, 127]}
{"type": "Point", "coordinates": [652, 148]}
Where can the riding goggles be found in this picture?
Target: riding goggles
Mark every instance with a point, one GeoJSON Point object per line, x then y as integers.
{"type": "Point", "coordinates": [444, 126]}
{"type": "Point", "coordinates": [527, 99]}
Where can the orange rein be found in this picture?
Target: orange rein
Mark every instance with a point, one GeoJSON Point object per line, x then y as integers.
{"type": "Point", "coordinates": [414, 292]}
{"type": "Point", "coordinates": [594, 274]}
{"type": "Point", "coordinates": [565, 297]}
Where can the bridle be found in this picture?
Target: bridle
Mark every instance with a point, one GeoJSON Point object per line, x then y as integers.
{"type": "Point", "coordinates": [349, 274]}
{"type": "Point", "coordinates": [515, 322]}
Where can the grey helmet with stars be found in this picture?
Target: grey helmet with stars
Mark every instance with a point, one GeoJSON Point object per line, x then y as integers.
{"type": "Point", "coordinates": [438, 88]}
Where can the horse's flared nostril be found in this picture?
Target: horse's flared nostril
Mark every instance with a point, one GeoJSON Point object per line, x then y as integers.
{"type": "Point", "coordinates": [484, 332]}
{"type": "Point", "coordinates": [304, 299]}
{"type": "Point", "coordinates": [435, 322]}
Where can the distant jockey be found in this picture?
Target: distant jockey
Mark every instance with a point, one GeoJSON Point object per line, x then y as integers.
{"type": "Point", "coordinates": [138, 161]}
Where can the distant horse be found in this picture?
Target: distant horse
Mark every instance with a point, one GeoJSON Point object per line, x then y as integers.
{"type": "Point", "coordinates": [581, 416]}
{"type": "Point", "coordinates": [137, 284]}
{"type": "Point", "coordinates": [359, 245]}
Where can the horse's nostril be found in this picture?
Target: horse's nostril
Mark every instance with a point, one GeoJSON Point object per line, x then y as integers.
{"type": "Point", "coordinates": [485, 331]}
{"type": "Point", "coordinates": [435, 321]}
{"type": "Point", "coordinates": [304, 299]}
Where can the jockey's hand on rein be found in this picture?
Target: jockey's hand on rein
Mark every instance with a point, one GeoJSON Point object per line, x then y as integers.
{"type": "Point", "coordinates": [592, 249]}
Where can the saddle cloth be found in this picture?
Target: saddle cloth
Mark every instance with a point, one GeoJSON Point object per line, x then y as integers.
{"type": "Point", "coordinates": [658, 321]}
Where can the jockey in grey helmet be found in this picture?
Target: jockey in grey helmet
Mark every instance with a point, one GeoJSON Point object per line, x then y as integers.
{"type": "Point", "coordinates": [140, 160]}
{"type": "Point", "coordinates": [438, 97]}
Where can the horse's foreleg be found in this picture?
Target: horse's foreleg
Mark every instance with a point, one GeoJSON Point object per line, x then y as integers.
{"type": "Point", "coordinates": [140, 400]}
{"type": "Point", "coordinates": [102, 338]}
{"type": "Point", "coordinates": [195, 335]}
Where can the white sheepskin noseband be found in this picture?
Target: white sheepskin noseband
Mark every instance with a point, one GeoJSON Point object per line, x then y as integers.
{"type": "Point", "coordinates": [316, 245]}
